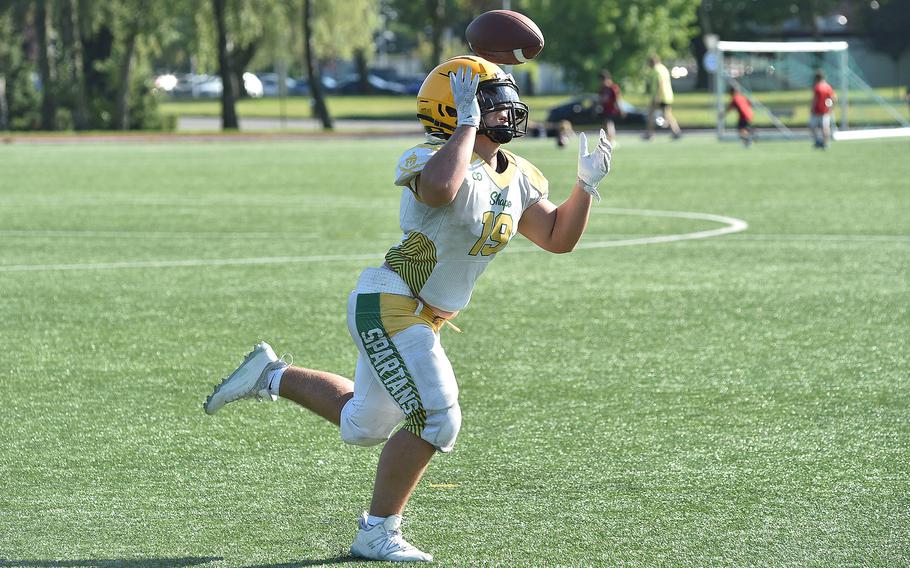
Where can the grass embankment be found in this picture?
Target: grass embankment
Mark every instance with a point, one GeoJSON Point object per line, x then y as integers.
{"type": "Point", "coordinates": [693, 110]}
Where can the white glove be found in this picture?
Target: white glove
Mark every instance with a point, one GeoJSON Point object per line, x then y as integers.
{"type": "Point", "coordinates": [464, 91]}
{"type": "Point", "coordinates": [593, 166]}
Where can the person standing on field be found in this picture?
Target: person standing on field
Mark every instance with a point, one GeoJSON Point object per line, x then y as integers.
{"type": "Point", "coordinates": [610, 103]}
{"type": "Point", "coordinates": [823, 99]}
{"type": "Point", "coordinates": [463, 198]}
{"type": "Point", "coordinates": [740, 103]}
{"type": "Point", "coordinates": [661, 91]}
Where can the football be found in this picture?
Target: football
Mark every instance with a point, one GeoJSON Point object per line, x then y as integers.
{"type": "Point", "coordinates": [504, 37]}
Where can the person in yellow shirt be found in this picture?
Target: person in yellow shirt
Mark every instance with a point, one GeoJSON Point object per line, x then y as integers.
{"type": "Point", "coordinates": [661, 97]}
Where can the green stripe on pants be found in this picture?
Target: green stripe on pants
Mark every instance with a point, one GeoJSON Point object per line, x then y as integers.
{"type": "Point", "coordinates": [387, 362]}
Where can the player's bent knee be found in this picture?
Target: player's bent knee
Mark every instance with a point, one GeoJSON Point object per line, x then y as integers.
{"type": "Point", "coordinates": [352, 434]}
{"type": "Point", "coordinates": [441, 428]}
{"type": "Point", "coordinates": [358, 431]}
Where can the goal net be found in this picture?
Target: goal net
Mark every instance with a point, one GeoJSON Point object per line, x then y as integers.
{"type": "Point", "coordinates": [778, 77]}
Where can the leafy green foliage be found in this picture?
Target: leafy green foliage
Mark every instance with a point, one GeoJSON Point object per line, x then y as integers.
{"type": "Point", "coordinates": [22, 101]}
{"type": "Point", "coordinates": [587, 36]}
{"type": "Point", "coordinates": [887, 26]}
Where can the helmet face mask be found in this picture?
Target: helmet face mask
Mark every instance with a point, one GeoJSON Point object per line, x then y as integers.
{"type": "Point", "coordinates": [503, 115]}
{"type": "Point", "coordinates": [499, 98]}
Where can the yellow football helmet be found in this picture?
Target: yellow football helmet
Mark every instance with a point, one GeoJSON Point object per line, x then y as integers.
{"type": "Point", "coordinates": [496, 92]}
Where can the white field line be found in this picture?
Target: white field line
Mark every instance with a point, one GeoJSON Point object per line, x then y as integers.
{"type": "Point", "coordinates": [827, 238]}
{"type": "Point", "coordinates": [25, 233]}
{"type": "Point", "coordinates": [189, 262]}
{"type": "Point", "coordinates": [871, 133]}
{"type": "Point", "coordinates": [731, 225]}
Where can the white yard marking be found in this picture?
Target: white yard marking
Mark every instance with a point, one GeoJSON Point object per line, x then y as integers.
{"type": "Point", "coordinates": [30, 234]}
{"type": "Point", "coordinates": [189, 262]}
{"type": "Point", "coordinates": [731, 225]}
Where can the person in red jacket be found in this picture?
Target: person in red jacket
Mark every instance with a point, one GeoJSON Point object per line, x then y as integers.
{"type": "Point", "coordinates": [610, 107]}
{"type": "Point", "coordinates": [823, 99]}
{"type": "Point", "coordinates": [740, 103]}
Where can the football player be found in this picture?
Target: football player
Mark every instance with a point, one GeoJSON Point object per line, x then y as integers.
{"type": "Point", "coordinates": [463, 199]}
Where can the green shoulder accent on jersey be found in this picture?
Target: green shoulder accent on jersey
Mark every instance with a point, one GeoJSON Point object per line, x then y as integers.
{"type": "Point", "coordinates": [530, 171]}
{"type": "Point", "coordinates": [387, 362]}
{"type": "Point", "coordinates": [414, 260]}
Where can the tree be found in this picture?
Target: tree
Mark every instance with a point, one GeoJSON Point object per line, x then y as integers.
{"type": "Point", "coordinates": [130, 18]}
{"type": "Point", "coordinates": [428, 20]}
{"type": "Point", "coordinates": [312, 70]}
{"type": "Point", "coordinates": [228, 36]}
{"type": "Point", "coordinates": [727, 19]}
{"type": "Point", "coordinates": [887, 28]}
{"type": "Point", "coordinates": [48, 101]}
{"type": "Point", "coordinates": [346, 30]}
{"type": "Point", "coordinates": [228, 100]}
{"type": "Point", "coordinates": [71, 39]}
{"type": "Point", "coordinates": [588, 35]}
{"type": "Point", "coordinates": [20, 104]}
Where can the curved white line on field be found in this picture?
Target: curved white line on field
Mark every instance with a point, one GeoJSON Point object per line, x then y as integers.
{"type": "Point", "coordinates": [731, 225]}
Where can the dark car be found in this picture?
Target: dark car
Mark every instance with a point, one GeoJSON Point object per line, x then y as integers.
{"type": "Point", "coordinates": [586, 111]}
{"type": "Point", "coordinates": [376, 85]}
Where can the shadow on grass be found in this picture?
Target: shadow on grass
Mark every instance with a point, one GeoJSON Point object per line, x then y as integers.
{"type": "Point", "coordinates": [112, 562]}
{"type": "Point", "coordinates": [341, 559]}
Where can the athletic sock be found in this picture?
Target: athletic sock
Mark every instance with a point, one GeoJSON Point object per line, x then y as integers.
{"type": "Point", "coordinates": [372, 521]}
{"type": "Point", "coordinates": [275, 380]}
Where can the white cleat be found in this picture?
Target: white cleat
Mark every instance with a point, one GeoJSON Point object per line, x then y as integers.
{"type": "Point", "coordinates": [384, 542]}
{"type": "Point", "coordinates": [249, 380]}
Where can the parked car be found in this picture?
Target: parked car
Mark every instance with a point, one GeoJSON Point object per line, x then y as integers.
{"type": "Point", "coordinates": [203, 86]}
{"type": "Point", "coordinates": [586, 111]}
{"type": "Point", "coordinates": [252, 84]}
{"type": "Point", "coordinates": [376, 85]}
{"type": "Point", "coordinates": [270, 86]}
{"type": "Point", "coordinates": [410, 82]}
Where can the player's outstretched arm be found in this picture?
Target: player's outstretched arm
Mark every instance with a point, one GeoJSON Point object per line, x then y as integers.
{"type": "Point", "coordinates": [444, 173]}
{"type": "Point", "coordinates": [558, 229]}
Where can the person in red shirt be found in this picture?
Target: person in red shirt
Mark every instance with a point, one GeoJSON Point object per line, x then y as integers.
{"type": "Point", "coordinates": [823, 99]}
{"type": "Point", "coordinates": [610, 107]}
{"type": "Point", "coordinates": [740, 103]}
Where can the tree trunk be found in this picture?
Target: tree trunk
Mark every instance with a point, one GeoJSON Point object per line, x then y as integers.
{"type": "Point", "coordinates": [319, 106]}
{"type": "Point", "coordinates": [122, 120]}
{"type": "Point", "coordinates": [4, 113]}
{"type": "Point", "coordinates": [72, 33]}
{"type": "Point", "coordinates": [14, 75]}
{"type": "Point", "coordinates": [97, 47]}
{"type": "Point", "coordinates": [48, 102]}
{"type": "Point", "coordinates": [240, 59]}
{"type": "Point", "coordinates": [699, 49]}
{"type": "Point", "coordinates": [228, 99]}
{"type": "Point", "coordinates": [437, 11]}
{"type": "Point", "coordinates": [360, 60]}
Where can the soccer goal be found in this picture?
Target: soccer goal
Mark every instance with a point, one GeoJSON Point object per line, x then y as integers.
{"type": "Point", "coordinates": [777, 78]}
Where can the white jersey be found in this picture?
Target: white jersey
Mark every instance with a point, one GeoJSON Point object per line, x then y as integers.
{"type": "Point", "coordinates": [445, 249]}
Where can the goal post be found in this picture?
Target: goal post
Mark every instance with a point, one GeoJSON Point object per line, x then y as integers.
{"type": "Point", "coordinates": [725, 75]}
{"type": "Point", "coordinates": [777, 78]}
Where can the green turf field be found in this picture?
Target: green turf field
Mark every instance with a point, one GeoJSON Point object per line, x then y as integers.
{"type": "Point", "coordinates": [740, 400]}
